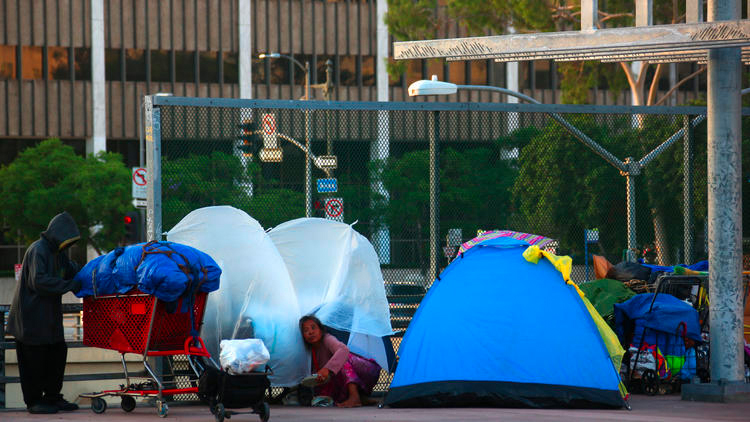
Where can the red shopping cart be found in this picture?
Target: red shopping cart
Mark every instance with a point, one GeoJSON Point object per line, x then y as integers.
{"type": "Point", "coordinates": [140, 323]}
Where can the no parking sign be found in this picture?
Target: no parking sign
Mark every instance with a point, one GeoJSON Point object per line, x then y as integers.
{"type": "Point", "coordinates": [334, 209]}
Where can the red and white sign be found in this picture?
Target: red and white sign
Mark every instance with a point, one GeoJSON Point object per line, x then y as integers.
{"type": "Point", "coordinates": [335, 209]}
{"type": "Point", "coordinates": [268, 127]}
{"type": "Point", "coordinates": [140, 180]}
{"type": "Point", "coordinates": [17, 268]}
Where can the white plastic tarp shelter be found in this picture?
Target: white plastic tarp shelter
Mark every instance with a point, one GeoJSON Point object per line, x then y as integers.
{"type": "Point", "coordinates": [336, 275]}
{"type": "Point", "coordinates": [254, 284]}
{"type": "Point", "coordinates": [304, 266]}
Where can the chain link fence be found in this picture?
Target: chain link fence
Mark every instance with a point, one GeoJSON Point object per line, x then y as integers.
{"type": "Point", "coordinates": [419, 179]}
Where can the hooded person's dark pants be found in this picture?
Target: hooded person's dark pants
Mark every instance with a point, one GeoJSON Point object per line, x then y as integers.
{"type": "Point", "coordinates": [41, 368]}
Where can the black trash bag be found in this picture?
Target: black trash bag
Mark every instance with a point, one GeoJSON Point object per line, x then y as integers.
{"type": "Point", "coordinates": [626, 271]}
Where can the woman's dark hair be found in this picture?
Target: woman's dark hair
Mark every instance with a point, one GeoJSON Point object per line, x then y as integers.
{"type": "Point", "coordinates": [314, 319]}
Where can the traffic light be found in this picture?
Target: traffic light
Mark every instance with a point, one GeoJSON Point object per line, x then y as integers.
{"type": "Point", "coordinates": [132, 224]}
{"type": "Point", "coordinates": [250, 140]}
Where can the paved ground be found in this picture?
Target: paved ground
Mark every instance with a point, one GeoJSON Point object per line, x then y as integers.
{"type": "Point", "coordinates": [651, 409]}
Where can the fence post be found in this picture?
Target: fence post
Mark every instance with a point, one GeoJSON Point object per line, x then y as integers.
{"type": "Point", "coordinates": [2, 356]}
{"type": "Point", "coordinates": [153, 167]}
{"type": "Point", "coordinates": [687, 190]}
{"type": "Point", "coordinates": [633, 169]}
{"type": "Point", "coordinates": [434, 196]}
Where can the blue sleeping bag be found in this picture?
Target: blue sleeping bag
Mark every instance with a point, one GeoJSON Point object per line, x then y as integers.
{"type": "Point", "coordinates": [163, 269]}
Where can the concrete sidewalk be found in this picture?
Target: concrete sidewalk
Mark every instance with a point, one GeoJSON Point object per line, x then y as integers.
{"type": "Point", "coordinates": [652, 409]}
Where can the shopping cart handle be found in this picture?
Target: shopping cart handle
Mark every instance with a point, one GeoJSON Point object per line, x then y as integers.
{"type": "Point", "coordinates": [196, 351]}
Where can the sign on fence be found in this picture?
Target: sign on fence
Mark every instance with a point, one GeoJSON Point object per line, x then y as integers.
{"type": "Point", "coordinates": [335, 209]}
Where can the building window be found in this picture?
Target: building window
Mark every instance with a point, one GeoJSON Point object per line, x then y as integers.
{"type": "Point", "coordinates": [457, 72]}
{"type": "Point", "coordinates": [58, 63]}
{"type": "Point", "coordinates": [135, 64]}
{"type": "Point", "coordinates": [348, 72]}
{"type": "Point", "coordinates": [160, 66]}
{"type": "Point", "coordinates": [209, 67]}
{"type": "Point", "coordinates": [31, 62]}
{"type": "Point", "coordinates": [478, 72]}
{"type": "Point", "coordinates": [435, 67]}
{"type": "Point", "coordinates": [231, 73]}
{"type": "Point", "coordinates": [321, 68]}
{"type": "Point", "coordinates": [368, 70]}
{"type": "Point", "coordinates": [542, 74]}
{"type": "Point", "coordinates": [112, 64]}
{"type": "Point", "coordinates": [83, 64]}
{"type": "Point", "coordinates": [7, 62]}
{"type": "Point", "coordinates": [413, 71]}
{"type": "Point", "coordinates": [279, 71]}
{"type": "Point", "coordinates": [185, 66]}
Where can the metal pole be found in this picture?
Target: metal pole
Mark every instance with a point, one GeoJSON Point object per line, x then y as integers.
{"type": "Point", "coordinates": [725, 204]}
{"type": "Point", "coordinates": [327, 96]}
{"type": "Point", "coordinates": [308, 169]}
{"type": "Point", "coordinates": [687, 190]}
{"type": "Point", "coordinates": [434, 197]}
{"type": "Point", "coordinates": [153, 167]}
{"type": "Point", "coordinates": [608, 156]}
{"type": "Point", "coordinates": [633, 171]}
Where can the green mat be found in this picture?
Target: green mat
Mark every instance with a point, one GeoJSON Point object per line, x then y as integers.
{"type": "Point", "coordinates": [604, 293]}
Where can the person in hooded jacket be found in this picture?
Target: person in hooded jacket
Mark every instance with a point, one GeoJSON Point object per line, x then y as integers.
{"type": "Point", "coordinates": [35, 318]}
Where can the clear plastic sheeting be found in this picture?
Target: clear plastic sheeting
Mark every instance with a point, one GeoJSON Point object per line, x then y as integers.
{"type": "Point", "coordinates": [336, 275]}
{"type": "Point", "coordinates": [269, 280]}
{"type": "Point", "coordinates": [255, 287]}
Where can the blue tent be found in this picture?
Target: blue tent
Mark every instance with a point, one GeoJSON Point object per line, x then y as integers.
{"type": "Point", "coordinates": [497, 330]}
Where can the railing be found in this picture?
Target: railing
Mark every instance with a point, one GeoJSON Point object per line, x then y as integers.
{"type": "Point", "coordinates": [72, 311]}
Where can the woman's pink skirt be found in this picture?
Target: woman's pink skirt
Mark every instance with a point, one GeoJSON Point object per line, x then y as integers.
{"type": "Point", "coordinates": [357, 370]}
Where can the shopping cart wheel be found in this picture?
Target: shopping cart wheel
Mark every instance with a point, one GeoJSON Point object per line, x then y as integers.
{"type": "Point", "coordinates": [218, 412]}
{"type": "Point", "coordinates": [127, 403]}
{"type": "Point", "coordinates": [265, 412]}
{"type": "Point", "coordinates": [162, 409]}
{"type": "Point", "coordinates": [650, 382]}
{"type": "Point", "coordinates": [98, 405]}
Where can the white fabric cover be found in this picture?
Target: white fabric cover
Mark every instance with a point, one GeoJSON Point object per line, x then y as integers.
{"type": "Point", "coordinates": [303, 266]}
{"type": "Point", "coordinates": [336, 275]}
{"type": "Point", "coordinates": [254, 284]}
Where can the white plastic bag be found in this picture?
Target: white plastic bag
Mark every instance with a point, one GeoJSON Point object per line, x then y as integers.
{"type": "Point", "coordinates": [242, 356]}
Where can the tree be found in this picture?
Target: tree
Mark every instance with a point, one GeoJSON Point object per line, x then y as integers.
{"type": "Point", "coordinates": [50, 178]}
{"type": "Point", "coordinates": [409, 20]}
{"type": "Point", "coordinates": [219, 178]}
{"type": "Point", "coordinates": [474, 191]}
{"type": "Point", "coordinates": [422, 19]}
{"type": "Point", "coordinates": [563, 187]}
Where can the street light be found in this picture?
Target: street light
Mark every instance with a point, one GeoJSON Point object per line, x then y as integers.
{"type": "Point", "coordinates": [308, 168]}
{"type": "Point", "coordinates": [628, 168]}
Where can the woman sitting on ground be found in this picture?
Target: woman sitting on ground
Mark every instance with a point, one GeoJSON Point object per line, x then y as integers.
{"type": "Point", "coordinates": [342, 375]}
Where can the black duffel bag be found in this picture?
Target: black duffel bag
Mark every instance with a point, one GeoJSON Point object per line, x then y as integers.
{"type": "Point", "coordinates": [233, 391]}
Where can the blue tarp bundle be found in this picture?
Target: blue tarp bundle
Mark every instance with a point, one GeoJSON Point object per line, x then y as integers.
{"type": "Point", "coordinates": [665, 325]}
{"type": "Point", "coordinates": [666, 315]}
{"type": "Point", "coordinates": [162, 269]}
{"type": "Point", "coordinates": [698, 266]}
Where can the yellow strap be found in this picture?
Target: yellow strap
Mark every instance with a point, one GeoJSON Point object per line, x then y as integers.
{"type": "Point", "coordinates": [564, 264]}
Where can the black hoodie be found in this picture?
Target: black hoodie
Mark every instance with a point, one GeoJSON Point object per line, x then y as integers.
{"type": "Point", "coordinates": [46, 274]}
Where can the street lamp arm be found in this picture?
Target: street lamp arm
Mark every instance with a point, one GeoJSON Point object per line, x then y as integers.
{"type": "Point", "coordinates": [294, 142]}
{"type": "Point", "coordinates": [608, 156]}
{"type": "Point", "coordinates": [300, 146]}
{"type": "Point", "coordinates": [277, 55]}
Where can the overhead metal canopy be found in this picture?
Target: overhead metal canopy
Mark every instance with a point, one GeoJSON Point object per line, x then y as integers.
{"type": "Point", "coordinates": [659, 43]}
